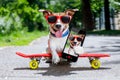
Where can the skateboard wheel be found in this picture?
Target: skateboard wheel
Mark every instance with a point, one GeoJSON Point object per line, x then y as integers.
{"type": "Point", "coordinates": [95, 64]}
{"type": "Point", "coordinates": [33, 64]}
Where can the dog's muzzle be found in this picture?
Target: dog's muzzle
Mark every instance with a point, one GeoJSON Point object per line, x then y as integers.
{"type": "Point", "coordinates": [58, 26]}
{"type": "Point", "coordinates": [75, 43]}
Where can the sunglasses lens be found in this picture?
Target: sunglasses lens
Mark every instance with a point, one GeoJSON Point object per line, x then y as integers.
{"type": "Point", "coordinates": [72, 38]}
{"type": "Point", "coordinates": [79, 39]}
{"type": "Point", "coordinates": [52, 19]}
{"type": "Point", "coordinates": [65, 19]}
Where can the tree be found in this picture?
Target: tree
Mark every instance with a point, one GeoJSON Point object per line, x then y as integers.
{"type": "Point", "coordinates": [87, 17]}
{"type": "Point", "coordinates": [107, 15]}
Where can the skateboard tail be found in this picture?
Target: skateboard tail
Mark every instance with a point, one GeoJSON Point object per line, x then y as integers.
{"type": "Point", "coordinates": [36, 55]}
{"type": "Point", "coordinates": [22, 55]}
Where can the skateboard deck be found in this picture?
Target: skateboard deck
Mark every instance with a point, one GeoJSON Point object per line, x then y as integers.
{"type": "Point", "coordinates": [95, 63]}
{"type": "Point", "coordinates": [97, 55]}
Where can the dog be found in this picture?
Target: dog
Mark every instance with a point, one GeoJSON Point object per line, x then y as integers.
{"type": "Point", "coordinates": [59, 31]}
{"type": "Point", "coordinates": [75, 41]}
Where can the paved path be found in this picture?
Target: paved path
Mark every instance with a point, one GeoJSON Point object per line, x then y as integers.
{"type": "Point", "coordinates": [13, 67]}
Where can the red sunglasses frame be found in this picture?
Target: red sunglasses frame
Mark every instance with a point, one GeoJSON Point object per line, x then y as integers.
{"type": "Point", "coordinates": [75, 37]}
{"type": "Point", "coordinates": [58, 17]}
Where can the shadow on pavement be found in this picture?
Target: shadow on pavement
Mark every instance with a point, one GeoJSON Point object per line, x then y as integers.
{"type": "Point", "coordinates": [52, 71]}
{"type": "Point", "coordinates": [61, 69]}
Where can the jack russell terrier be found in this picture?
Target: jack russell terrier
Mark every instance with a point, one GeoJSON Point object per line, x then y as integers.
{"type": "Point", "coordinates": [59, 31]}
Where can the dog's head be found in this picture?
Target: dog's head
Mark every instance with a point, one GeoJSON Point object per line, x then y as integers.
{"type": "Point", "coordinates": [58, 22]}
{"type": "Point", "coordinates": [75, 40]}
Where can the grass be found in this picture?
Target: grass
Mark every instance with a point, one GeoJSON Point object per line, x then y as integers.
{"type": "Point", "coordinates": [104, 32]}
{"type": "Point", "coordinates": [20, 38]}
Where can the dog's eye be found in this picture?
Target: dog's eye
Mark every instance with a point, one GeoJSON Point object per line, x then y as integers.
{"type": "Point", "coordinates": [65, 19]}
{"type": "Point", "coordinates": [52, 19]}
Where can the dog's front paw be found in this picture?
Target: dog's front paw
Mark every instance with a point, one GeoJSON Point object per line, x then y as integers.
{"type": "Point", "coordinates": [55, 59]}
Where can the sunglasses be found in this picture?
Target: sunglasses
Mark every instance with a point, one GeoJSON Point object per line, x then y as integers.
{"type": "Point", "coordinates": [53, 19]}
{"type": "Point", "coordinates": [72, 38]}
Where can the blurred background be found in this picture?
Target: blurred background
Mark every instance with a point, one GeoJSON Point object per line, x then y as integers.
{"type": "Point", "coordinates": [19, 17]}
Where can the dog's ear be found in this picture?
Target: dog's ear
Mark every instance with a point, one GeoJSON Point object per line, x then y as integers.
{"type": "Point", "coordinates": [45, 12]}
{"type": "Point", "coordinates": [71, 12]}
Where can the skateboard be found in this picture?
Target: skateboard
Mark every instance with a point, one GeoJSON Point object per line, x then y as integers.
{"type": "Point", "coordinates": [36, 58]}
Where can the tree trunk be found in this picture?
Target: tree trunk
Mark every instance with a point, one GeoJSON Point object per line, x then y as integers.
{"type": "Point", "coordinates": [87, 17]}
{"type": "Point", "coordinates": [107, 15]}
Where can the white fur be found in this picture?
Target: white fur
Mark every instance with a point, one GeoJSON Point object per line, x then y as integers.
{"type": "Point", "coordinates": [57, 45]}
{"type": "Point", "coordinates": [76, 50]}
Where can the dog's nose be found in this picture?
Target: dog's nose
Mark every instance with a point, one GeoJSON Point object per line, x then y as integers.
{"type": "Point", "coordinates": [58, 26]}
{"type": "Point", "coordinates": [75, 43]}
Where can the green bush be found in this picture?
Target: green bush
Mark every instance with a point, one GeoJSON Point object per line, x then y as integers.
{"type": "Point", "coordinates": [15, 15]}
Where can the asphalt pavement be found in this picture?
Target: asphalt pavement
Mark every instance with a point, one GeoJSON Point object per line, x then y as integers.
{"type": "Point", "coordinates": [14, 67]}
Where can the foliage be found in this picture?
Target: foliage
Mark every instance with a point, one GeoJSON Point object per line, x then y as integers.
{"type": "Point", "coordinates": [96, 6]}
{"type": "Point", "coordinates": [115, 4]}
{"type": "Point", "coordinates": [17, 15]}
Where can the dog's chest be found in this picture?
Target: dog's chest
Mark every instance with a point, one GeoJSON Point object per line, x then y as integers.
{"type": "Point", "coordinates": [58, 43]}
